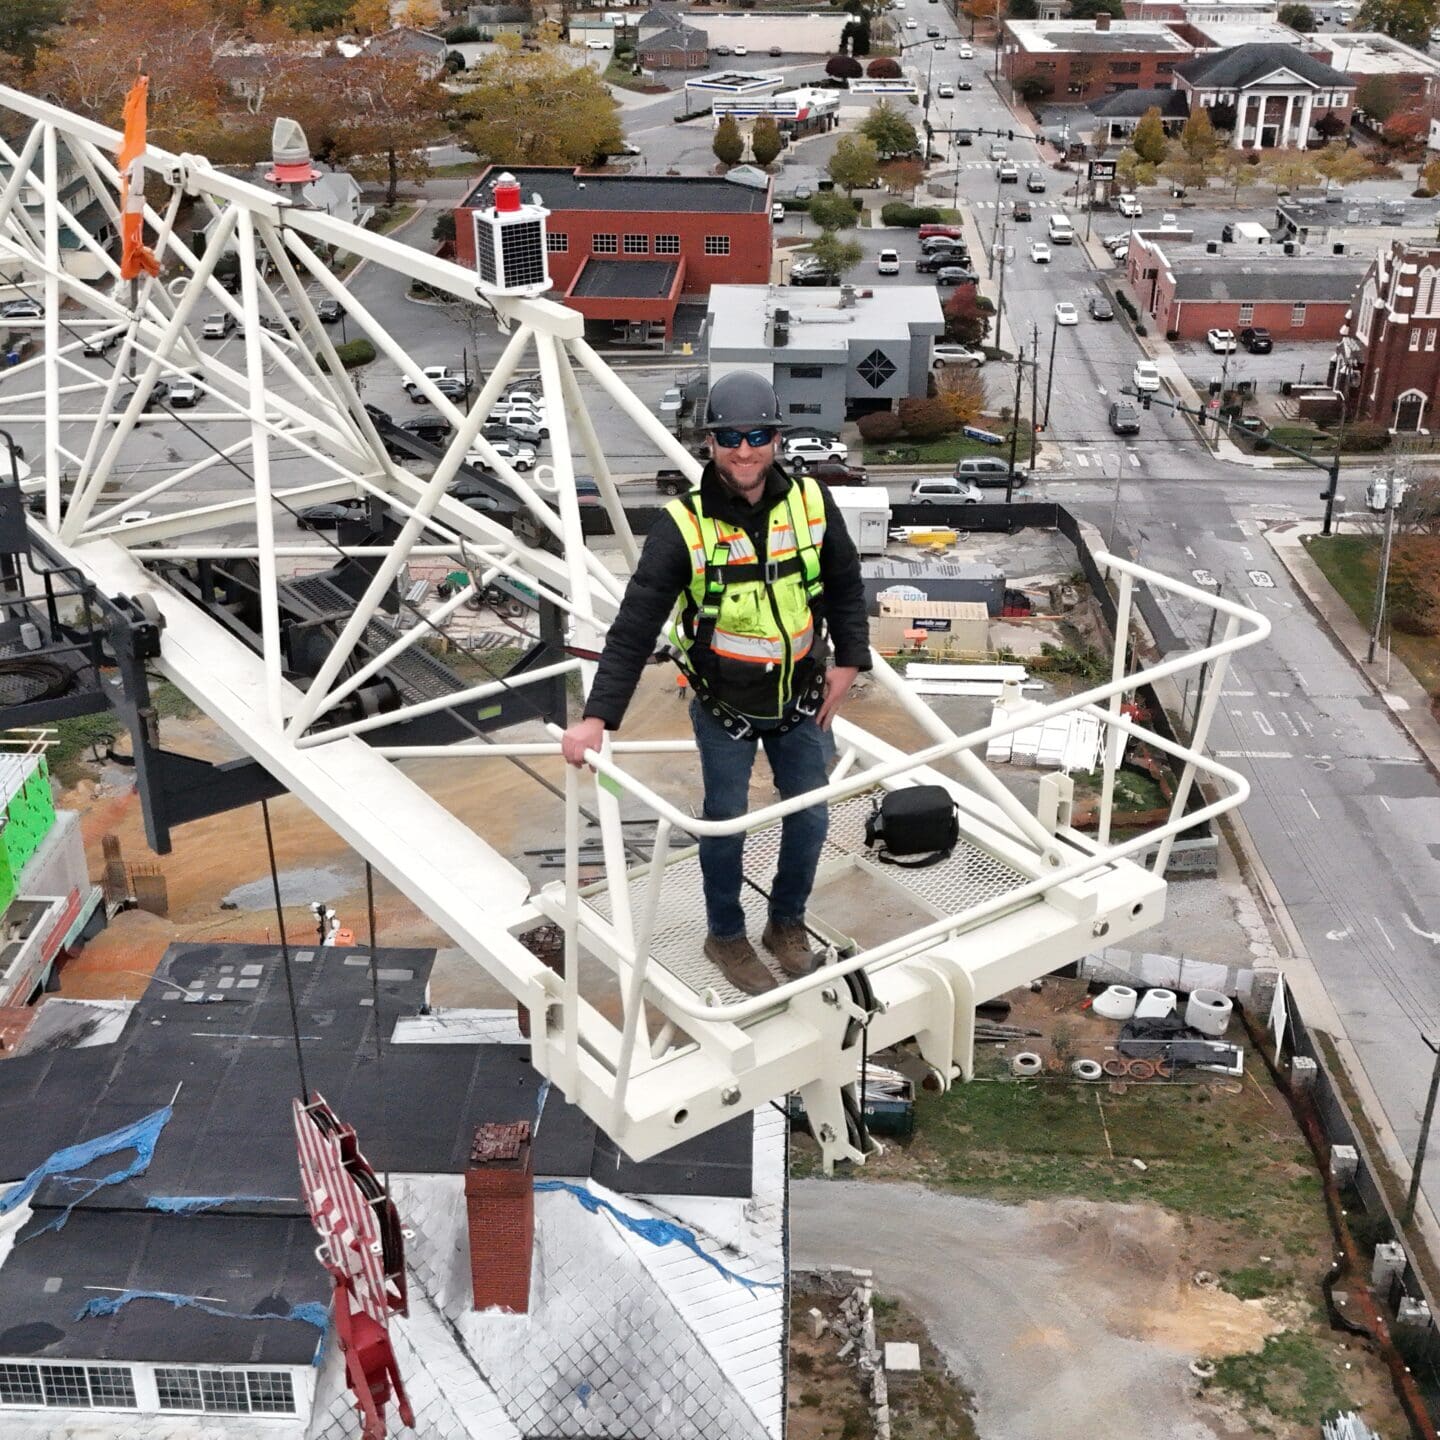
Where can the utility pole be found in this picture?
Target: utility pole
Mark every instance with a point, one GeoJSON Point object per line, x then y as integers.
{"type": "Point", "coordinates": [1383, 578]}
{"type": "Point", "coordinates": [1014, 427]}
{"type": "Point", "coordinates": [1408, 1213]}
{"type": "Point", "coordinates": [1034, 389]}
{"type": "Point", "coordinates": [1050, 372]}
{"type": "Point", "coordinates": [1000, 296]}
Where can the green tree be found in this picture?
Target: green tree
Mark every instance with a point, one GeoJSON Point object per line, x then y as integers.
{"type": "Point", "coordinates": [1238, 170]}
{"type": "Point", "coordinates": [765, 142]}
{"type": "Point", "coordinates": [24, 24]}
{"type": "Point", "coordinates": [1330, 126]}
{"type": "Point", "coordinates": [1148, 141]}
{"type": "Point", "coordinates": [535, 105]}
{"type": "Point", "coordinates": [1089, 9]}
{"type": "Point", "coordinates": [843, 67]}
{"type": "Point", "coordinates": [1430, 176]}
{"type": "Point", "coordinates": [855, 163]}
{"type": "Point", "coordinates": [889, 131]}
{"type": "Point", "coordinates": [1198, 138]}
{"type": "Point", "coordinates": [1378, 96]}
{"type": "Point", "coordinates": [836, 255]}
{"type": "Point", "coordinates": [1339, 164]}
{"type": "Point", "coordinates": [1190, 160]}
{"type": "Point", "coordinates": [1133, 172]}
{"type": "Point", "coordinates": [1223, 116]}
{"type": "Point", "coordinates": [1297, 17]}
{"type": "Point", "coordinates": [1023, 10]}
{"type": "Point", "coordinates": [729, 143]}
{"type": "Point", "coordinates": [832, 211]}
{"type": "Point", "coordinates": [1290, 169]}
{"type": "Point", "coordinates": [1409, 21]}
{"type": "Point", "coordinates": [965, 322]}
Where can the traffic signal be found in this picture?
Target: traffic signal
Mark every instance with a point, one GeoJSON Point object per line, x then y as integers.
{"type": "Point", "coordinates": [1009, 134]}
{"type": "Point", "coordinates": [1145, 399]}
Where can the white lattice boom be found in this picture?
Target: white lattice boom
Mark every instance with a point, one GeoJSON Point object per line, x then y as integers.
{"type": "Point", "coordinates": [1023, 894]}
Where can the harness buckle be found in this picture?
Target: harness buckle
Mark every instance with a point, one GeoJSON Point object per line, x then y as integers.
{"type": "Point", "coordinates": [772, 570]}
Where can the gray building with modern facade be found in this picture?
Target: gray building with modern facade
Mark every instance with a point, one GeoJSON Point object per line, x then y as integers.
{"type": "Point", "coordinates": [830, 353]}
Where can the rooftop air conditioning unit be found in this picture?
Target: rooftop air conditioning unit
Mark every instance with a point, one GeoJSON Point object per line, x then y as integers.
{"type": "Point", "coordinates": [510, 243]}
{"type": "Point", "coordinates": [782, 333]}
{"type": "Point", "coordinates": [1291, 248]}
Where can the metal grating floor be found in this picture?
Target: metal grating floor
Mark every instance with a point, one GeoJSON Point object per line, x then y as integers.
{"type": "Point", "coordinates": [967, 878]}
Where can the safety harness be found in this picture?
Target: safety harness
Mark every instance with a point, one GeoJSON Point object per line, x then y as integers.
{"type": "Point", "coordinates": [747, 620]}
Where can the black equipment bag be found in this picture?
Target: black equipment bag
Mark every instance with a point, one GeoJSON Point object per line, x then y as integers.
{"type": "Point", "coordinates": [920, 820]}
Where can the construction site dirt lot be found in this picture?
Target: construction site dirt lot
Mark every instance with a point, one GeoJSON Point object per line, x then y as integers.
{"type": "Point", "coordinates": [1075, 1248]}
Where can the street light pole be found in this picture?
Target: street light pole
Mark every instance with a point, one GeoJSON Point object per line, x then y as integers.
{"type": "Point", "coordinates": [1015, 426]}
{"type": "Point", "coordinates": [1034, 388]}
{"type": "Point", "coordinates": [1382, 579]}
{"type": "Point", "coordinates": [1115, 501]}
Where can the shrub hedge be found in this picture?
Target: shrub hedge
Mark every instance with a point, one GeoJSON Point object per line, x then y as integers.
{"type": "Point", "coordinates": [909, 217]}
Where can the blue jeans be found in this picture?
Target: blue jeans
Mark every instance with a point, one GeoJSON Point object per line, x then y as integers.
{"type": "Point", "coordinates": [799, 759]}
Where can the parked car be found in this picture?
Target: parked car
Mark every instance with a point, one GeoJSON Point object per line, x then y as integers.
{"type": "Point", "coordinates": [935, 244]}
{"type": "Point", "coordinates": [672, 401]}
{"type": "Point", "coordinates": [1066, 313]}
{"type": "Point", "coordinates": [1008, 172]}
{"type": "Point", "coordinates": [280, 324]}
{"type": "Point", "coordinates": [1035, 183]}
{"type": "Point", "coordinates": [742, 50]}
{"type": "Point", "coordinates": [1020, 211]}
{"type": "Point", "coordinates": [185, 393]}
{"type": "Point", "coordinates": [1129, 206]}
{"type": "Point", "coordinates": [955, 275]}
{"type": "Point", "coordinates": [328, 311]}
{"type": "Point", "coordinates": [831, 472]}
{"type": "Point", "coordinates": [813, 447]}
{"type": "Point", "coordinates": [514, 428]}
{"type": "Point", "coordinates": [943, 354]}
{"type": "Point", "coordinates": [812, 275]}
{"type": "Point", "coordinates": [518, 456]}
{"type": "Point", "coordinates": [411, 386]}
{"type": "Point", "coordinates": [1222, 342]}
{"type": "Point", "coordinates": [1146, 375]}
{"type": "Point", "coordinates": [1100, 308]}
{"type": "Point", "coordinates": [427, 427]}
{"type": "Point", "coordinates": [945, 92]}
{"type": "Point", "coordinates": [329, 515]}
{"type": "Point", "coordinates": [722, 49]}
{"type": "Point", "coordinates": [471, 487]}
{"type": "Point", "coordinates": [217, 326]}
{"type": "Point", "coordinates": [22, 310]}
{"type": "Point", "coordinates": [99, 341]}
{"type": "Point", "coordinates": [888, 262]}
{"type": "Point", "coordinates": [1124, 418]}
{"type": "Point", "coordinates": [988, 471]}
{"type": "Point", "coordinates": [775, 52]}
{"type": "Point", "coordinates": [944, 492]}
{"type": "Point", "coordinates": [777, 212]}
{"type": "Point", "coordinates": [1257, 340]}
{"type": "Point", "coordinates": [1039, 252]}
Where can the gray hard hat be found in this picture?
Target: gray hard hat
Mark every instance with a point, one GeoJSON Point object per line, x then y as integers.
{"type": "Point", "coordinates": [741, 400]}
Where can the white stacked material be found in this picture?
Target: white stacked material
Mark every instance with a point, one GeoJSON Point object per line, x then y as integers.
{"type": "Point", "coordinates": [1061, 742]}
{"type": "Point", "coordinates": [985, 682]}
{"type": "Point", "coordinates": [1348, 1426]}
{"type": "Point", "coordinates": [1155, 1005]}
{"type": "Point", "coordinates": [1115, 1002]}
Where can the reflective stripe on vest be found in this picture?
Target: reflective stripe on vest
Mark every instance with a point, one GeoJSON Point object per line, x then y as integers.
{"type": "Point", "coordinates": [746, 609]}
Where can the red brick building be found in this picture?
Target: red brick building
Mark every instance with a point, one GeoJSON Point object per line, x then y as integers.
{"type": "Point", "coordinates": [1083, 59]}
{"type": "Point", "coordinates": [1295, 297]}
{"type": "Point", "coordinates": [629, 248]}
{"type": "Point", "coordinates": [1387, 364]}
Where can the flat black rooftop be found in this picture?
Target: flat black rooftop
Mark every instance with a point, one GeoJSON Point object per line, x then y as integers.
{"type": "Point", "coordinates": [211, 1039]}
{"type": "Point", "coordinates": [625, 279]}
{"type": "Point", "coordinates": [566, 189]}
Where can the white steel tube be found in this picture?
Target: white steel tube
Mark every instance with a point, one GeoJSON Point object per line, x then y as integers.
{"type": "Point", "coordinates": [626, 399]}
{"type": "Point", "coordinates": [570, 1003]}
{"type": "Point", "coordinates": [388, 568]}
{"type": "Point", "coordinates": [598, 461]}
{"type": "Point", "coordinates": [1112, 734]}
{"type": "Point", "coordinates": [52, 330]}
{"type": "Point", "coordinates": [467, 750]}
{"type": "Point", "coordinates": [260, 457]}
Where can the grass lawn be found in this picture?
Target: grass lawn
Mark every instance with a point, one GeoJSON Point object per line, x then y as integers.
{"type": "Point", "coordinates": [950, 448]}
{"type": "Point", "coordinates": [1349, 563]}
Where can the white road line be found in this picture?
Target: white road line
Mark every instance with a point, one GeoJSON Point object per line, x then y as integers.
{"type": "Point", "coordinates": [1084, 461]}
{"type": "Point", "coordinates": [1238, 695]}
{"type": "Point", "coordinates": [1189, 552]}
{"type": "Point", "coordinates": [1279, 694]}
{"type": "Point", "coordinates": [1305, 725]}
{"type": "Point", "coordinates": [1383, 931]}
{"type": "Point", "coordinates": [1385, 803]}
{"type": "Point", "coordinates": [1134, 459]}
{"type": "Point", "coordinates": [1253, 755]}
{"type": "Point", "coordinates": [1290, 724]}
{"type": "Point", "coordinates": [1264, 726]}
{"type": "Point", "coordinates": [1310, 803]}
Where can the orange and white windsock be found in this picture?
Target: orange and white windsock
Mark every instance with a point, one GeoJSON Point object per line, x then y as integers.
{"type": "Point", "coordinates": [135, 255]}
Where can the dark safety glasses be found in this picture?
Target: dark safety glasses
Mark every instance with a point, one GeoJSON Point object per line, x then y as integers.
{"type": "Point", "coordinates": [730, 439]}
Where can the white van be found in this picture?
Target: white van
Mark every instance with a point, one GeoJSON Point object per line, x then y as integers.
{"type": "Point", "coordinates": [1062, 232]}
{"type": "Point", "coordinates": [888, 262]}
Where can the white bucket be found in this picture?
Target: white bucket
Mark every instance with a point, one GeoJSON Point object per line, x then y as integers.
{"type": "Point", "coordinates": [1208, 1011]}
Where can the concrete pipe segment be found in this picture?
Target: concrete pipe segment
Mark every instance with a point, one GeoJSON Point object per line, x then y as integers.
{"type": "Point", "coordinates": [1115, 1002]}
{"type": "Point", "coordinates": [1208, 1011]}
{"type": "Point", "coordinates": [1155, 1005]}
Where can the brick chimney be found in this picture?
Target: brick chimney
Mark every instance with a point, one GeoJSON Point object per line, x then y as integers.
{"type": "Point", "coordinates": [1102, 21]}
{"type": "Point", "coordinates": [500, 1215]}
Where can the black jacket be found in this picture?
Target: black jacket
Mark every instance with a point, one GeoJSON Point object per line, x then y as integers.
{"type": "Point", "coordinates": [664, 572]}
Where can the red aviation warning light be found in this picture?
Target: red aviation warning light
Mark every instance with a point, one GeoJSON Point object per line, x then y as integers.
{"type": "Point", "coordinates": [510, 243]}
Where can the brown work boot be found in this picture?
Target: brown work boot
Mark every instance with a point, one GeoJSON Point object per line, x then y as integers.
{"type": "Point", "coordinates": [740, 963]}
{"type": "Point", "coordinates": [790, 945]}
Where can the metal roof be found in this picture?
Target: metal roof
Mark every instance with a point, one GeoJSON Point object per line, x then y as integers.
{"type": "Point", "coordinates": [565, 189]}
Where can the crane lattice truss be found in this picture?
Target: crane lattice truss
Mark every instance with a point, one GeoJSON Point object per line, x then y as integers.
{"type": "Point", "coordinates": [1023, 893]}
